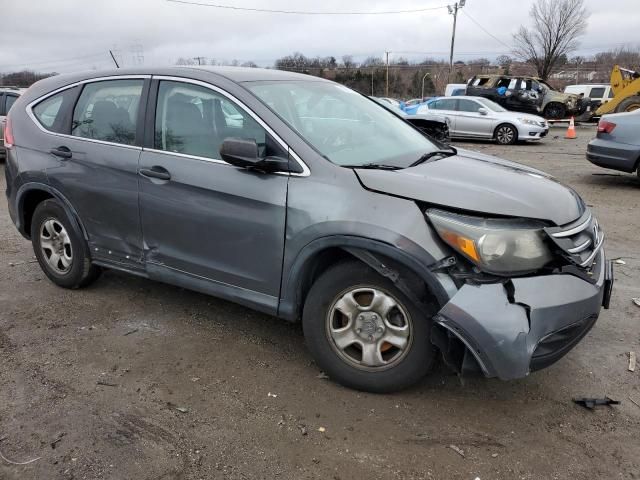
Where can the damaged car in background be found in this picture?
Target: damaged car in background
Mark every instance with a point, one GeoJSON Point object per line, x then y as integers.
{"type": "Point", "coordinates": [433, 124]}
{"type": "Point", "coordinates": [529, 95]}
{"type": "Point", "coordinates": [301, 198]}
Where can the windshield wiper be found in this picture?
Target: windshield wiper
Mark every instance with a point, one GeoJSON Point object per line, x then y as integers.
{"type": "Point", "coordinates": [375, 166]}
{"type": "Point", "coordinates": [436, 153]}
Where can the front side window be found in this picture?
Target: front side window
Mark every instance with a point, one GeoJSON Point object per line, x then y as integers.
{"type": "Point", "coordinates": [468, 106]}
{"type": "Point", "coordinates": [108, 111]}
{"type": "Point", "coordinates": [343, 126]}
{"type": "Point", "coordinates": [195, 120]}
{"type": "Point", "coordinates": [491, 105]}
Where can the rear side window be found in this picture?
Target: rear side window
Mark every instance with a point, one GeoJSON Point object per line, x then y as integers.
{"type": "Point", "coordinates": [444, 104]}
{"type": "Point", "coordinates": [108, 111]}
{"type": "Point", "coordinates": [597, 92]}
{"type": "Point", "coordinates": [11, 99]}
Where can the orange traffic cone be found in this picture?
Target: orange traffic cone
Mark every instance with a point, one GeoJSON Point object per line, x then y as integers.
{"type": "Point", "coordinates": [571, 131]}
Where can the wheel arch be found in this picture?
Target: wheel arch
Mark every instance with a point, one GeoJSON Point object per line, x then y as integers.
{"type": "Point", "coordinates": [502, 124]}
{"type": "Point", "coordinates": [30, 195]}
{"type": "Point", "coordinates": [320, 254]}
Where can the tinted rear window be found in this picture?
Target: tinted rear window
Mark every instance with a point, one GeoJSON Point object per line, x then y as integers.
{"type": "Point", "coordinates": [108, 111]}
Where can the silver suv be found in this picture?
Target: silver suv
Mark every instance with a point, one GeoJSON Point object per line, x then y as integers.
{"type": "Point", "coordinates": [299, 197]}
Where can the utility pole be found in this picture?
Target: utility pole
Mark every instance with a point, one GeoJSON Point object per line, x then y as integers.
{"type": "Point", "coordinates": [453, 10]}
{"type": "Point", "coordinates": [199, 60]}
{"type": "Point", "coordinates": [372, 72]}
{"type": "Point", "coordinates": [387, 86]}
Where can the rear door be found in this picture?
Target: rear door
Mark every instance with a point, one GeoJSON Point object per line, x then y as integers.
{"type": "Point", "coordinates": [98, 163]}
{"type": "Point", "coordinates": [470, 122]}
{"type": "Point", "coordinates": [207, 224]}
{"type": "Point", "coordinates": [447, 108]}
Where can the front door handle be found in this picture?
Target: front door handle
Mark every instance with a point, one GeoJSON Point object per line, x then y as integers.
{"type": "Point", "coordinates": [62, 152]}
{"type": "Point", "coordinates": [160, 173]}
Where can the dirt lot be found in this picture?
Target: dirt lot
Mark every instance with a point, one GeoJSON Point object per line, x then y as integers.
{"type": "Point", "coordinates": [139, 380]}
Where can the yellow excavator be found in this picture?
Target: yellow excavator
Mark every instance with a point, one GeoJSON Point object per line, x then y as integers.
{"type": "Point", "coordinates": [625, 85]}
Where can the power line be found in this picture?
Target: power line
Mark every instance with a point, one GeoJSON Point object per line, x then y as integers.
{"type": "Point", "coordinates": [304, 12]}
{"type": "Point", "coordinates": [56, 62]}
{"type": "Point", "coordinates": [486, 31]}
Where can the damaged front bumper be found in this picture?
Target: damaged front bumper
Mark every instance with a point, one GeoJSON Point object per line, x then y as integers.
{"type": "Point", "coordinates": [526, 323]}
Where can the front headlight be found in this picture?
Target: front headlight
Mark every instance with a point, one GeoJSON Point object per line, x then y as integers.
{"type": "Point", "coordinates": [528, 121]}
{"type": "Point", "coordinates": [499, 246]}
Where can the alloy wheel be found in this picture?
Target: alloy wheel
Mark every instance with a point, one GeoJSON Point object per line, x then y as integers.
{"type": "Point", "coordinates": [505, 135]}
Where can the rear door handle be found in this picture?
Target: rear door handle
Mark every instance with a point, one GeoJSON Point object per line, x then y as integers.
{"type": "Point", "coordinates": [160, 173]}
{"type": "Point", "coordinates": [62, 152]}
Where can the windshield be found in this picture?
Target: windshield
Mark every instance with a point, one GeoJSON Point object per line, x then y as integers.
{"type": "Point", "coordinates": [345, 127]}
{"type": "Point", "coordinates": [491, 105]}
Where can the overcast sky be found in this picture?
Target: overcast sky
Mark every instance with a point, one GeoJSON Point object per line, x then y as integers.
{"type": "Point", "coordinates": [71, 35]}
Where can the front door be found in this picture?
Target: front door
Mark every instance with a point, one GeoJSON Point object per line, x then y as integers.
{"type": "Point", "coordinates": [470, 122]}
{"type": "Point", "coordinates": [204, 221]}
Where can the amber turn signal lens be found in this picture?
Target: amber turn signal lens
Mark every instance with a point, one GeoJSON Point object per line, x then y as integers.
{"type": "Point", "coordinates": [462, 244]}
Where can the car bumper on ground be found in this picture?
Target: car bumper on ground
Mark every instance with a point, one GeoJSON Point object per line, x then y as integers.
{"type": "Point", "coordinates": [614, 155]}
{"type": "Point", "coordinates": [529, 324]}
{"type": "Point", "coordinates": [532, 132]}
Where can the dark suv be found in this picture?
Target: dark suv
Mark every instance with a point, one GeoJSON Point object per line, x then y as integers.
{"type": "Point", "coordinates": [301, 198]}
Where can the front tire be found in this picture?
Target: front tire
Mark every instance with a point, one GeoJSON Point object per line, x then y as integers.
{"type": "Point", "coordinates": [61, 251]}
{"type": "Point", "coordinates": [506, 134]}
{"type": "Point", "coordinates": [364, 332]}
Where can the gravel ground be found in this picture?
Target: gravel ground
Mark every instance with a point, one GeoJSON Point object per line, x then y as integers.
{"type": "Point", "coordinates": [139, 380]}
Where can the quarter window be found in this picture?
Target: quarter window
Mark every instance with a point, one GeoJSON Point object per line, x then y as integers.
{"type": "Point", "coordinates": [47, 110]}
{"type": "Point", "coordinates": [108, 111]}
{"type": "Point", "coordinates": [195, 120]}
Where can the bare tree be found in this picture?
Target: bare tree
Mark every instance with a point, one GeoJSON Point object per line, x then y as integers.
{"type": "Point", "coordinates": [347, 61]}
{"type": "Point", "coordinates": [557, 24]}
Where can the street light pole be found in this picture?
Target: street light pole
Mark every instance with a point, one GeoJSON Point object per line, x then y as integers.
{"type": "Point", "coordinates": [453, 10]}
{"type": "Point", "coordinates": [387, 83]}
{"type": "Point", "coordinates": [425, 76]}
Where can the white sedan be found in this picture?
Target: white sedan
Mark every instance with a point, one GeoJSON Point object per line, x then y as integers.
{"type": "Point", "coordinates": [477, 117]}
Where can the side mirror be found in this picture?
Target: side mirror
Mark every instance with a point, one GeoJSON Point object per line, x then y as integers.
{"type": "Point", "coordinates": [243, 153]}
{"type": "Point", "coordinates": [240, 152]}
{"type": "Point", "coordinates": [483, 111]}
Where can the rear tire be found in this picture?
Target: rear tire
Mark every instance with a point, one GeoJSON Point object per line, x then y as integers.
{"type": "Point", "coordinates": [506, 134]}
{"type": "Point", "coordinates": [60, 249]}
{"type": "Point", "coordinates": [629, 104]}
{"type": "Point", "coordinates": [364, 332]}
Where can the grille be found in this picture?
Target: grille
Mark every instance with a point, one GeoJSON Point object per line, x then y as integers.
{"type": "Point", "coordinates": [579, 241]}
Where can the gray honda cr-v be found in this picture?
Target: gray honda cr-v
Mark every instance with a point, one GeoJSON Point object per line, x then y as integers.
{"type": "Point", "coordinates": [301, 198]}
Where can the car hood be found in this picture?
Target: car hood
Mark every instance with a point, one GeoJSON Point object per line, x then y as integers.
{"type": "Point", "coordinates": [514, 116]}
{"type": "Point", "coordinates": [480, 183]}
